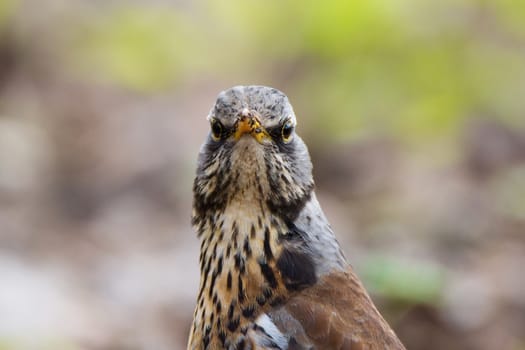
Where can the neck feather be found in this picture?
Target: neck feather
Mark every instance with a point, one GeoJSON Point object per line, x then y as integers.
{"type": "Point", "coordinates": [240, 277]}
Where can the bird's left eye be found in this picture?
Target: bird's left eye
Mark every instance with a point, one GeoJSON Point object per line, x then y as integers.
{"type": "Point", "coordinates": [286, 131]}
{"type": "Point", "coordinates": [216, 129]}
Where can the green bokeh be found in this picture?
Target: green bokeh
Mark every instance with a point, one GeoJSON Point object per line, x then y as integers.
{"type": "Point", "coordinates": [404, 281]}
{"type": "Point", "coordinates": [413, 70]}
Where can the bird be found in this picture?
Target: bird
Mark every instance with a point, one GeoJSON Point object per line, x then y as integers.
{"type": "Point", "coordinates": [272, 273]}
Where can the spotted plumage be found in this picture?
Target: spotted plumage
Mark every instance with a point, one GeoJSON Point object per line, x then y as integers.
{"type": "Point", "coordinates": [272, 273]}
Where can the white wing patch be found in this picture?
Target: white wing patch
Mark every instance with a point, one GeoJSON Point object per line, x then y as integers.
{"type": "Point", "coordinates": [267, 335]}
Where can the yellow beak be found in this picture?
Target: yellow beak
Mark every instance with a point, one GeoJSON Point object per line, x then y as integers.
{"type": "Point", "coordinates": [250, 125]}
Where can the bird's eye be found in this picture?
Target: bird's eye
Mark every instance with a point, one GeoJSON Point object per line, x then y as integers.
{"type": "Point", "coordinates": [216, 129]}
{"type": "Point", "coordinates": [286, 131]}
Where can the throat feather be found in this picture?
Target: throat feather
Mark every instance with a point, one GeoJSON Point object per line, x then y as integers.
{"type": "Point", "coordinates": [240, 277]}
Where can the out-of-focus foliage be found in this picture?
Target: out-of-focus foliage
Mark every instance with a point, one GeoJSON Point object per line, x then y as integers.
{"type": "Point", "coordinates": [404, 281]}
{"type": "Point", "coordinates": [416, 69]}
{"type": "Point", "coordinates": [132, 46]}
{"type": "Point", "coordinates": [7, 7]}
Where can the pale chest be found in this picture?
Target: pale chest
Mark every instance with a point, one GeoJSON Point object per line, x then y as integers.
{"type": "Point", "coordinates": [240, 277]}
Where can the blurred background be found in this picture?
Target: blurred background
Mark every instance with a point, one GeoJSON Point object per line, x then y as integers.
{"type": "Point", "coordinates": [414, 113]}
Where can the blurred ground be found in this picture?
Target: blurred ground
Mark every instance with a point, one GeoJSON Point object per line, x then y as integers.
{"type": "Point", "coordinates": [413, 112]}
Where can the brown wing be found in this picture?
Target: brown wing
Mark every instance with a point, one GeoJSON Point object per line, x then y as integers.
{"type": "Point", "coordinates": [336, 313]}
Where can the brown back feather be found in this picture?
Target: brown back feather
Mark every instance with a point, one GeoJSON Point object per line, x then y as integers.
{"type": "Point", "coordinates": [335, 314]}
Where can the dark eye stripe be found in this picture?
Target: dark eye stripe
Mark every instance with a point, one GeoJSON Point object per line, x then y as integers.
{"type": "Point", "coordinates": [275, 132]}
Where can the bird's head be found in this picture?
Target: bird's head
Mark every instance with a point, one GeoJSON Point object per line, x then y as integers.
{"type": "Point", "coordinates": [253, 155]}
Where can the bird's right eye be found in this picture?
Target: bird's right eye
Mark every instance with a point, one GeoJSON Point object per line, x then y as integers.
{"type": "Point", "coordinates": [216, 129]}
